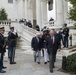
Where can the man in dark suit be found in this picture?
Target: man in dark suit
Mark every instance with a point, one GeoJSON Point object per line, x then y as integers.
{"type": "Point", "coordinates": [52, 44]}
{"type": "Point", "coordinates": [2, 49]}
{"type": "Point", "coordinates": [65, 35]}
{"type": "Point", "coordinates": [12, 44]}
{"type": "Point", "coordinates": [60, 33]}
{"type": "Point", "coordinates": [36, 47]}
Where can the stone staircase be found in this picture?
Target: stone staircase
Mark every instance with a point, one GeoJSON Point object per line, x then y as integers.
{"type": "Point", "coordinates": [25, 35]}
{"type": "Point", "coordinates": [24, 42]}
{"type": "Point", "coordinates": [66, 51]}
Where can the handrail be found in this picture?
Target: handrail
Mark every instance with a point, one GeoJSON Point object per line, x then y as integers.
{"type": "Point", "coordinates": [50, 23]}
{"type": "Point", "coordinates": [30, 29]}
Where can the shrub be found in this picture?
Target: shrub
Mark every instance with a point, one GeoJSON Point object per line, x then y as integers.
{"type": "Point", "coordinates": [71, 63]}
{"type": "Point", "coordinates": [3, 14]}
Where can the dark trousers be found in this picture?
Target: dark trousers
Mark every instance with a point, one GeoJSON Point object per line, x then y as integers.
{"type": "Point", "coordinates": [42, 52]}
{"type": "Point", "coordinates": [51, 60]}
{"type": "Point", "coordinates": [1, 61]}
{"type": "Point", "coordinates": [11, 54]}
{"type": "Point", "coordinates": [55, 56]}
{"type": "Point", "coordinates": [65, 41]}
{"type": "Point", "coordinates": [8, 53]}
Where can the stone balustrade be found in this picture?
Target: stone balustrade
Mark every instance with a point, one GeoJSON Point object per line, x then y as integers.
{"type": "Point", "coordinates": [50, 23]}
{"type": "Point", "coordinates": [5, 22]}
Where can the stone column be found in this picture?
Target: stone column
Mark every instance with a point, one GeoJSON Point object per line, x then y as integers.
{"type": "Point", "coordinates": [59, 13]}
{"type": "Point", "coordinates": [23, 8]}
{"type": "Point", "coordinates": [65, 10]}
{"type": "Point", "coordinates": [34, 14]}
{"type": "Point", "coordinates": [30, 11]}
{"type": "Point", "coordinates": [44, 12]}
{"type": "Point", "coordinates": [38, 13]}
{"type": "Point", "coordinates": [20, 9]}
{"type": "Point", "coordinates": [26, 9]}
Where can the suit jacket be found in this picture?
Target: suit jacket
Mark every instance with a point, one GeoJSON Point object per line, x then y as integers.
{"type": "Point", "coordinates": [66, 31]}
{"type": "Point", "coordinates": [52, 47]}
{"type": "Point", "coordinates": [36, 44]}
{"type": "Point", "coordinates": [2, 42]}
{"type": "Point", "coordinates": [44, 41]}
{"type": "Point", "coordinates": [12, 39]}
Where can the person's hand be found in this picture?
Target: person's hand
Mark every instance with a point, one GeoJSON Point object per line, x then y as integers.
{"type": "Point", "coordinates": [32, 48]}
{"type": "Point", "coordinates": [6, 47]}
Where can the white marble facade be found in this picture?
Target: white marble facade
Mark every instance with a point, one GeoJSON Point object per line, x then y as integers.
{"type": "Point", "coordinates": [34, 10]}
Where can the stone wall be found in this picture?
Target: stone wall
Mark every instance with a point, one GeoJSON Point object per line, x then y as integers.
{"type": "Point", "coordinates": [10, 9]}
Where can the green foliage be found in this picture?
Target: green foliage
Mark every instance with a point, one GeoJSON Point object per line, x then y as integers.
{"type": "Point", "coordinates": [3, 14]}
{"type": "Point", "coordinates": [72, 11]}
{"type": "Point", "coordinates": [71, 63]}
{"type": "Point", "coordinates": [73, 2]}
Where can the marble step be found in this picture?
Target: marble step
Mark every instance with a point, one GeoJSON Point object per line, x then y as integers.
{"type": "Point", "coordinates": [66, 52]}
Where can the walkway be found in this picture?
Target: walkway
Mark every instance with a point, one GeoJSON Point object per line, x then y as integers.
{"type": "Point", "coordinates": [26, 66]}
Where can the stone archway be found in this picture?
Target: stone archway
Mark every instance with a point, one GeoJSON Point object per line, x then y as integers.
{"type": "Point", "coordinates": [41, 12]}
{"type": "Point", "coordinates": [36, 11]}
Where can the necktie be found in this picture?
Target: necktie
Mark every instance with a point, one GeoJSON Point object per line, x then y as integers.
{"type": "Point", "coordinates": [52, 38]}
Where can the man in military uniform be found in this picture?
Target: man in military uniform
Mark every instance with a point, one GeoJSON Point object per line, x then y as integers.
{"type": "Point", "coordinates": [12, 44]}
{"type": "Point", "coordinates": [2, 49]}
{"type": "Point", "coordinates": [65, 35]}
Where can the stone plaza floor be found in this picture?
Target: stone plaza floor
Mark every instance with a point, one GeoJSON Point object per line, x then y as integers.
{"type": "Point", "coordinates": [26, 66]}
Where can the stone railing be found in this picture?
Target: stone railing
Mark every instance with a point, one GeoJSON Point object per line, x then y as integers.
{"type": "Point", "coordinates": [5, 22]}
{"type": "Point", "coordinates": [25, 33]}
{"type": "Point", "coordinates": [70, 24]}
{"type": "Point", "coordinates": [50, 23]}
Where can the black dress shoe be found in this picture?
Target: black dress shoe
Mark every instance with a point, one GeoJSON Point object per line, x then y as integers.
{"type": "Point", "coordinates": [45, 62]}
{"type": "Point", "coordinates": [51, 71]}
{"type": "Point", "coordinates": [13, 63]}
{"type": "Point", "coordinates": [48, 61]}
{"type": "Point", "coordinates": [38, 62]}
{"type": "Point", "coordinates": [2, 71]}
{"type": "Point", "coordinates": [35, 60]}
{"type": "Point", "coordinates": [4, 67]}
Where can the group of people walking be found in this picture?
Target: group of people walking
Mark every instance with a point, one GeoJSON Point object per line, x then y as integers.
{"type": "Point", "coordinates": [49, 42]}
{"type": "Point", "coordinates": [10, 43]}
